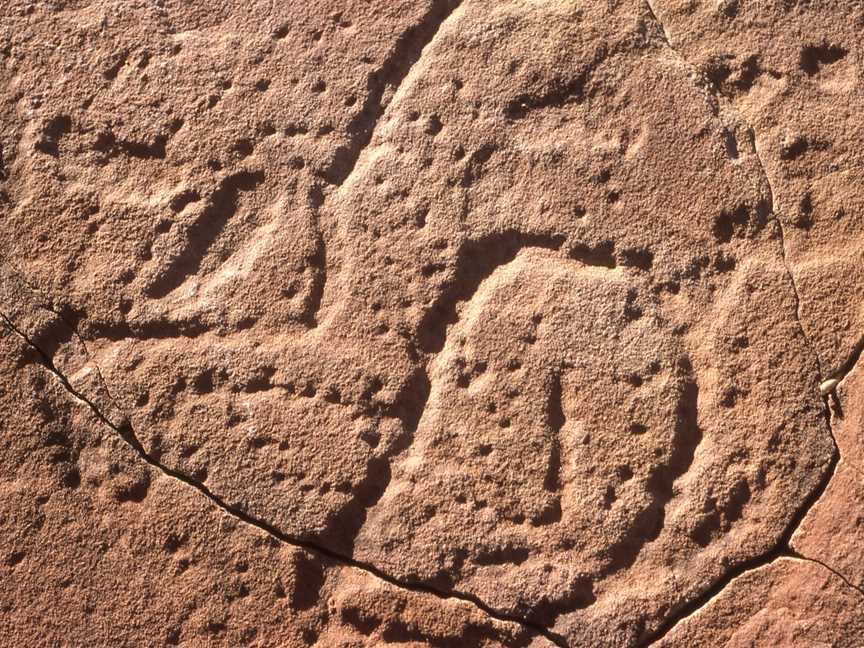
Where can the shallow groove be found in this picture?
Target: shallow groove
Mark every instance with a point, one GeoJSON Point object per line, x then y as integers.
{"type": "Point", "coordinates": [782, 548]}
{"type": "Point", "coordinates": [394, 70]}
{"type": "Point", "coordinates": [126, 432]}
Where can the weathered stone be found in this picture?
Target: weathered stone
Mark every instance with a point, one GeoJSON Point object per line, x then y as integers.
{"type": "Point", "coordinates": [833, 531]}
{"type": "Point", "coordinates": [97, 548]}
{"type": "Point", "coordinates": [787, 603]}
{"type": "Point", "coordinates": [457, 323]}
{"type": "Point", "coordinates": [792, 72]}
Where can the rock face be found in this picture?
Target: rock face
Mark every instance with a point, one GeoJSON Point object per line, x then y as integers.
{"type": "Point", "coordinates": [793, 73]}
{"type": "Point", "coordinates": [441, 323]}
{"type": "Point", "coordinates": [787, 603]}
{"type": "Point", "coordinates": [834, 527]}
{"type": "Point", "coordinates": [101, 549]}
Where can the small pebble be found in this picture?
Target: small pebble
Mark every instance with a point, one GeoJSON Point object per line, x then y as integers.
{"type": "Point", "coordinates": [828, 386]}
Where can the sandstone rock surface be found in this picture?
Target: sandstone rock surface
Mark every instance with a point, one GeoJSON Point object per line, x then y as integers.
{"type": "Point", "coordinates": [434, 323]}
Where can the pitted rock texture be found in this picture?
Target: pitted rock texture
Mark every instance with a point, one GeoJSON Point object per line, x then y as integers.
{"type": "Point", "coordinates": [82, 517]}
{"type": "Point", "coordinates": [792, 71]}
{"type": "Point", "coordinates": [442, 323]}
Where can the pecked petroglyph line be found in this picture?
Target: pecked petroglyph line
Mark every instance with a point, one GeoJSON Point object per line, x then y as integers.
{"type": "Point", "coordinates": [782, 548]}
{"type": "Point", "coordinates": [393, 74]}
{"type": "Point", "coordinates": [127, 433]}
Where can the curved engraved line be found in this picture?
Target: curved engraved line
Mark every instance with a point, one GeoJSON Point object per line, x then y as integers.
{"type": "Point", "coordinates": [477, 263]}
{"type": "Point", "coordinates": [782, 548]}
{"type": "Point", "coordinates": [393, 73]}
{"type": "Point", "coordinates": [126, 432]}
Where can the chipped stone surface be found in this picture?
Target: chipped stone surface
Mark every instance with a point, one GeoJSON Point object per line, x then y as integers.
{"type": "Point", "coordinates": [457, 323]}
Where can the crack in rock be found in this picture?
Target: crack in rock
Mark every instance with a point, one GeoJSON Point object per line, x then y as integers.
{"type": "Point", "coordinates": [838, 574]}
{"type": "Point", "coordinates": [782, 549]}
{"type": "Point", "coordinates": [126, 432]}
{"type": "Point", "coordinates": [392, 74]}
{"type": "Point", "coordinates": [718, 589]}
